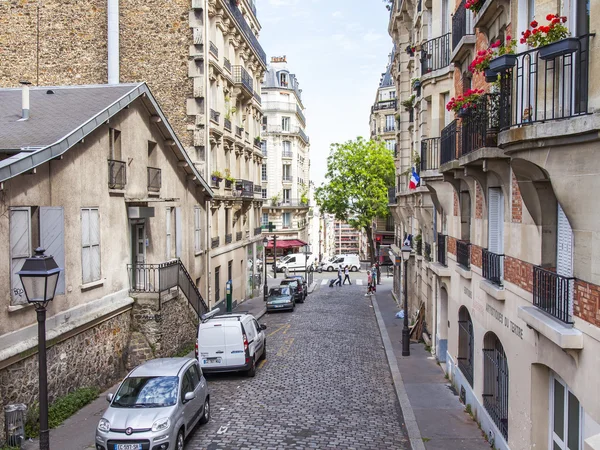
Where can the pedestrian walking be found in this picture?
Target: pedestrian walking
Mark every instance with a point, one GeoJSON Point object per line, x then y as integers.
{"type": "Point", "coordinates": [369, 281]}
{"type": "Point", "coordinates": [347, 275]}
{"type": "Point", "coordinates": [339, 280]}
{"type": "Point", "coordinates": [374, 278]}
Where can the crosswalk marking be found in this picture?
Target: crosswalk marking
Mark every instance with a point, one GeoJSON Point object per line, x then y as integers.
{"type": "Point", "coordinates": [359, 282]}
{"type": "Point", "coordinates": [324, 282]}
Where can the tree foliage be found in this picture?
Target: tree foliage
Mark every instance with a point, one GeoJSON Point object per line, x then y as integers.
{"type": "Point", "coordinates": [358, 175]}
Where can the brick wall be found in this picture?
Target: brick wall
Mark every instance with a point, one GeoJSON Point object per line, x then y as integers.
{"type": "Point", "coordinates": [517, 201]}
{"type": "Point", "coordinates": [476, 252]}
{"type": "Point", "coordinates": [456, 211]}
{"type": "Point", "coordinates": [478, 201]}
{"type": "Point", "coordinates": [586, 302]}
{"type": "Point", "coordinates": [481, 43]}
{"type": "Point", "coordinates": [519, 273]}
{"type": "Point", "coordinates": [451, 245]}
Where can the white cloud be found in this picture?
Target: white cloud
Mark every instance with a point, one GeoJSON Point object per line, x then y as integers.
{"type": "Point", "coordinates": [336, 14]}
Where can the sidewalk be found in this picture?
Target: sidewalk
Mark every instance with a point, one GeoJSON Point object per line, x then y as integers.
{"type": "Point", "coordinates": [433, 414]}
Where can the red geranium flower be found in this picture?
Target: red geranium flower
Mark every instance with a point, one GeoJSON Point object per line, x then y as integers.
{"type": "Point", "coordinates": [533, 24]}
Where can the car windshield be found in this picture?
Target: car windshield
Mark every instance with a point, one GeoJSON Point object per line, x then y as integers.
{"type": "Point", "coordinates": [276, 292]}
{"type": "Point", "coordinates": [287, 282]}
{"type": "Point", "coordinates": [147, 392]}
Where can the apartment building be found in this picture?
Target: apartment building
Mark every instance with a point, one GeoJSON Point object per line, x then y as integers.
{"type": "Point", "coordinates": [285, 168]}
{"type": "Point", "coordinates": [202, 60]}
{"type": "Point", "coordinates": [348, 240]}
{"type": "Point", "coordinates": [506, 264]}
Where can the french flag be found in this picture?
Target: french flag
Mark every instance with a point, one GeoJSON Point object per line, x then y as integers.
{"type": "Point", "coordinates": [414, 180]}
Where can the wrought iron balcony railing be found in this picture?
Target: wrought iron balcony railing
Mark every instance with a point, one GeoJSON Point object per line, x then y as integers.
{"type": "Point", "coordinates": [257, 231]}
{"type": "Point", "coordinates": [228, 238]}
{"type": "Point", "coordinates": [441, 249]}
{"type": "Point", "coordinates": [303, 135]}
{"type": "Point", "coordinates": [154, 179]}
{"type": "Point", "coordinates": [117, 174]}
{"type": "Point", "coordinates": [239, 235]}
{"type": "Point", "coordinates": [286, 154]}
{"type": "Point", "coordinates": [392, 195]}
{"type": "Point", "coordinates": [553, 293]}
{"type": "Point", "coordinates": [449, 142]}
{"type": "Point", "coordinates": [257, 97]}
{"type": "Point", "coordinates": [435, 54]}
{"type": "Point", "coordinates": [214, 242]}
{"type": "Point", "coordinates": [538, 89]}
{"type": "Point", "coordinates": [300, 115]}
{"type": "Point", "coordinates": [430, 154]}
{"type": "Point", "coordinates": [239, 131]}
{"type": "Point", "coordinates": [213, 49]}
{"type": "Point", "coordinates": [214, 116]}
{"type": "Point", "coordinates": [227, 123]}
{"type": "Point", "coordinates": [493, 267]}
{"type": "Point", "coordinates": [227, 64]}
{"type": "Point", "coordinates": [461, 24]}
{"type": "Point", "coordinates": [384, 104]}
{"type": "Point", "coordinates": [479, 127]}
{"type": "Point", "coordinates": [286, 178]}
{"type": "Point", "coordinates": [241, 76]}
{"type": "Point", "coordinates": [231, 5]}
{"type": "Point", "coordinates": [245, 188]}
{"type": "Point", "coordinates": [463, 253]}
{"type": "Point", "coordinates": [389, 128]}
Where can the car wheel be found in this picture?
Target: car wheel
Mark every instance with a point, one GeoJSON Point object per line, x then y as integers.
{"type": "Point", "coordinates": [206, 416]}
{"type": "Point", "coordinates": [354, 269]}
{"type": "Point", "coordinates": [252, 370]}
{"type": "Point", "coordinates": [180, 442]}
{"type": "Point", "coordinates": [330, 269]}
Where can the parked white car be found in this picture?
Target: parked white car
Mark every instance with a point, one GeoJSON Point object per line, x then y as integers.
{"type": "Point", "coordinates": [295, 261]}
{"type": "Point", "coordinates": [230, 343]}
{"type": "Point", "coordinates": [352, 261]}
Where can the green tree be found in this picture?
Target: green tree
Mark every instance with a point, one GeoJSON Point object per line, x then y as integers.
{"type": "Point", "coordinates": [356, 189]}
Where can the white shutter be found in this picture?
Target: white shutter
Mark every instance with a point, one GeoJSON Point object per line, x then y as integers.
{"type": "Point", "coordinates": [90, 244]}
{"type": "Point", "coordinates": [496, 221]}
{"type": "Point", "coordinates": [564, 245]}
{"type": "Point", "coordinates": [20, 249]}
{"type": "Point", "coordinates": [178, 233]}
{"type": "Point", "coordinates": [85, 246]}
{"type": "Point", "coordinates": [95, 243]}
{"type": "Point", "coordinates": [197, 229]}
{"type": "Point", "coordinates": [168, 228]}
{"type": "Point", "coordinates": [52, 239]}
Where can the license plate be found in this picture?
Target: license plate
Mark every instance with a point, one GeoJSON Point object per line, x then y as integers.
{"type": "Point", "coordinates": [279, 306]}
{"type": "Point", "coordinates": [211, 361]}
{"type": "Point", "coordinates": [128, 446]}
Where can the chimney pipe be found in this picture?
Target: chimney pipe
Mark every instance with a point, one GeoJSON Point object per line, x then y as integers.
{"type": "Point", "coordinates": [25, 100]}
{"type": "Point", "coordinates": [113, 41]}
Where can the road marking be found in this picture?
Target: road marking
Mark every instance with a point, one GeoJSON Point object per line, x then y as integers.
{"type": "Point", "coordinates": [287, 327]}
{"type": "Point", "coordinates": [285, 348]}
{"type": "Point", "coordinates": [223, 429]}
{"type": "Point", "coordinates": [323, 282]}
{"type": "Point", "coordinates": [359, 282]}
{"type": "Point", "coordinates": [281, 327]}
{"type": "Point", "coordinates": [262, 363]}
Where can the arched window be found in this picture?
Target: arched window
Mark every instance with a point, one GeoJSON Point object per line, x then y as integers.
{"type": "Point", "coordinates": [465, 344]}
{"type": "Point", "coordinates": [495, 382]}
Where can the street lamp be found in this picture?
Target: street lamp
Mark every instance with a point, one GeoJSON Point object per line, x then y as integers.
{"type": "Point", "coordinates": [265, 287]}
{"type": "Point", "coordinates": [405, 332]}
{"type": "Point", "coordinates": [39, 277]}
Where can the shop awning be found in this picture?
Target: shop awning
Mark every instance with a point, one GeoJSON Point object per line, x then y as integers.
{"type": "Point", "coordinates": [287, 243]}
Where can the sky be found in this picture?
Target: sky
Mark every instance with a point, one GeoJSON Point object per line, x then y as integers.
{"type": "Point", "coordinates": [338, 50]}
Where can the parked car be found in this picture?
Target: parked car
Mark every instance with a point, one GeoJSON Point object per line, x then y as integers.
{"type": "Point", "coordinates": [295, 261]}
{"type": "Point", "coordinates": [302, 287]}
{"type": "Point", "coordinates": [230, 343]}
{"type": "Point", "coordinates": [352, 261]}
{"type": "Point", "coordinates": [281, 298]}
{"type": "Point", "coordinates": [156, 406]}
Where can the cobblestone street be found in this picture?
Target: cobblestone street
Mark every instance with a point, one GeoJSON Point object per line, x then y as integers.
{"type": "Point", "coordinates": [325, 383]}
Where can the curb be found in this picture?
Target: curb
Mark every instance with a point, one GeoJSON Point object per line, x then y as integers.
{"type": "Point", "coordinates": [312, 287]}
{"type": "Point", "coordinates": [261, 313]}
{"type": "Point", "coordinates": [412, 427]}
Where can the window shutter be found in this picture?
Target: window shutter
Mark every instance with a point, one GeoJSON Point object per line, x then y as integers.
{"type": "Point", "coordinates": [496, 221]}
{"type": "Point", "coordinates": [52, 238]}
{"type": "Point", "coordinates": [178, 233]}
{"type": "Point", "coordinates": [85, 246]}
{"type": "Point", "coordinates": [564, 245]}
{"type": "Point", "coordinates": [20, 250]}
{"type": "Point", "coordinates": [95, 243]}
{"type": "Point", "coordinates": [197, 229]}
{"type": "Point", "coordinates": [168, 228]}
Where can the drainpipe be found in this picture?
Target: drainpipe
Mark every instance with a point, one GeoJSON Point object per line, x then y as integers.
{"type": "Point", "coordinates": [113, 41]}
{"type": "Point", "coordinates": [435, 318]}
{"type": "Point", "coordinates": [25, 100]}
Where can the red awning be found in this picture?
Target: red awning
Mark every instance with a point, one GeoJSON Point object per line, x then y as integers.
{"type": "Point", "coordinates": [287, 243]}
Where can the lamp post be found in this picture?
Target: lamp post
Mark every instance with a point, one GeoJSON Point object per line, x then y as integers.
{"type": "Point", "coordinates": [274, 256]}
{"type": "Point", "coordinates": [39, 277]}
{"type": "Point", "coordinates": [265, 287]}
{"type": "Point", "coordinates": [405, 331]}
{"type": "Point", "coordinates": [306, 250]}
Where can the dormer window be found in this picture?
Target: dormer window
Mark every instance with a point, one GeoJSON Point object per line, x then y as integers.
{"type": "Point", "coordinates": [283, 79]}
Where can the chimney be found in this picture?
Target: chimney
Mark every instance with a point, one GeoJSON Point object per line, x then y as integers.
{"type": "Point", "coordinates": [25, 100]}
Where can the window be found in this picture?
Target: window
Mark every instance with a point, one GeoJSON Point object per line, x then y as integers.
{"type": "Point", "coordinates": [197, 235]}
{"type": "Point", "coordinates": [20, 249]}
{"type": "Point", "coordinates": [169, 233]}
{"type": "Point", "coordinates": [465, 344]}
{"type": "Point", "coordinates": [265, 219]}
{"type": "Point", "coordinates": [287, 172]}
{"type": "Point", "coordinates": [287, 149]}
{"type": "Point", "coordinates": [495, 382]}
{"type": "Point", "coordinates": [287, 194]}
{"type": "Point", "coordinates": [392, 95]}
{"type": "Point", "coordinates": [283, 80]}
{"type": "Point", "coordinates": [217, 285]}
{"type": "Point", "coordinates": [390, 122]}
{"type": "Point", "coordinates": [285, 123]}
{"type": "Point", "coordinates": [264, 124]}
{"type": "Point", "coordinates": [90, 244]}
{"type": "Point", "coordinates": [496, 221]}
{"type": "Point", "coordinates": [287, 220]}
{"type": "Point", "coordinates": [566, 416]}
{"type": "Point", "coordinates": [115, 144]}
{"type": "Point", "coordinates": [264, 193]}
{"type": "Point", "coordinates": [391, 145]}
{"type": "Point", "coordinates": [263, 147]}
{"type": "Point", "coordinates": [264, 172]}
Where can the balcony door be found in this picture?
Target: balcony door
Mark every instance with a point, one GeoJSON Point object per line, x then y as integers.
{"type": "Point", "coordinates": [566, 417]}
{"type": "Point", "coordinates": [564, 253]}
{"type": "Point", "coordinates": [138, 238]}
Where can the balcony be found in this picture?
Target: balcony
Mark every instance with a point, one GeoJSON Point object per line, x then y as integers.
{"type": "Point", "coordinates": [463, 33]}
{"type": "Point", "coordinates": [214, 242]}
{"type": "Point", "coordinates": [239, 131]}
{"type": "Point", "coordinates": [553, 294]}
{"type": "Point", "coordinates": [227, 64]}
{"type": "Point", "coordinates": [430, 154]}
{"type": "Point", "coordinates": [463, 254]}
{"type": "Point", "coordinates": [392, 196]}
{"type": "Point", "coordinates": [239, 236]}
{"type": "Point", "coordinates": [257, 97]}
{"type": "Point", "coordinates": [214, 116]}
{"type": "Point", "coordinates": [287, 178]}
{"type": "Point", "coordinates": [117, 174]}
{"type": "Point", "coordinates": [384, 104]}
{"type": "Point", "coordinates": [231, 5]}
{"type": "Point", "coordinates": [288, 203]}
{"type": "Point", "coordinates": [242, 78]}
{"type": "Point", "coordinates": [228, 238]}
{"type": "Point", "coordinates": [449, 142]}
{"type": "Point", "coordinates": [435, 54]}
{"type": "Point", "coordinates": [388, 129]}
{"type": "Point", "coordinates": [303, 135]}
{"type": "Point", "coordinates": [227, 124]}
{"type": "Point", "coordinates": [257, 231]}
{"type": "Point", "coordinates": [154, 179]}
{"type": "Point", "coordinates": [538, 89]}
{"type": "Point", "coordinates": [493, 267]}
{"type": "Point", "coordinates": [300, 115]}
{"type": "Point", "coordinates": [479, 127]}
{"type": "Point", "coordinates": [287, 154]}
{"type": "Point", "coordinates": [212, 48]}
{"type": "Point", "coordinates": [244, 188]}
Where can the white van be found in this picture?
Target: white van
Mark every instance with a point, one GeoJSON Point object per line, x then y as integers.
{"type": "Point", "coordinates": [352, 261]}
{"type": "Point", "coordinates": [295, 261]}
{"type": "Point", "coordinates": [230, 343]}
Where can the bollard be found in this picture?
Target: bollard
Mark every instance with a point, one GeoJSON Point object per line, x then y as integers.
{"type": "Point", "coordinates": [228, 292]}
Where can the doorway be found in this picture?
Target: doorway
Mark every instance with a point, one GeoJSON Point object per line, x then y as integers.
{"type": "Point", "coordinates": [138, 259]}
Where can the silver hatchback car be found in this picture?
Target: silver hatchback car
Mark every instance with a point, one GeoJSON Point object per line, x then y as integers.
{"type": "Point", "coordinates": [156, 407]}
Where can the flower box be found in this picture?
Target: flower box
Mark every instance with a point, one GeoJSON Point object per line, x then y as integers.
{"type": "Point", "coordinates": [558, 48]}
{"type": "Point", "coordinates": [491, 75]}
{"type": "Point", "coordinates": [463, 112]}
{"type": "Point", "coordinates": [503, 63]}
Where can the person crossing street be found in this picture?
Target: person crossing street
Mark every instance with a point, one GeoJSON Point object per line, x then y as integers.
{"type": "Point", "coordinates": [347, 275]}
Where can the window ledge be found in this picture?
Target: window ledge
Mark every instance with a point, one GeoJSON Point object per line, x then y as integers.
{"type": "Point", "coordinates": [92, 285]}
{"type": "Point", "coordinates": [153, 194]}
{"type": "Point", "coordinates": [439, 270]}
{"type": "Point", "coordinates": [463, 272]}
{"type": "Point", "coordinates": [200, 253]}
{"type": "Point", "coordinates": [562, 334]}
{"type": "Point", "coordinates": [15, 308]}
{"type": "Point", "coordinates": [116, 192]}
{"type": "Point", "coordinates": [493, 290]}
